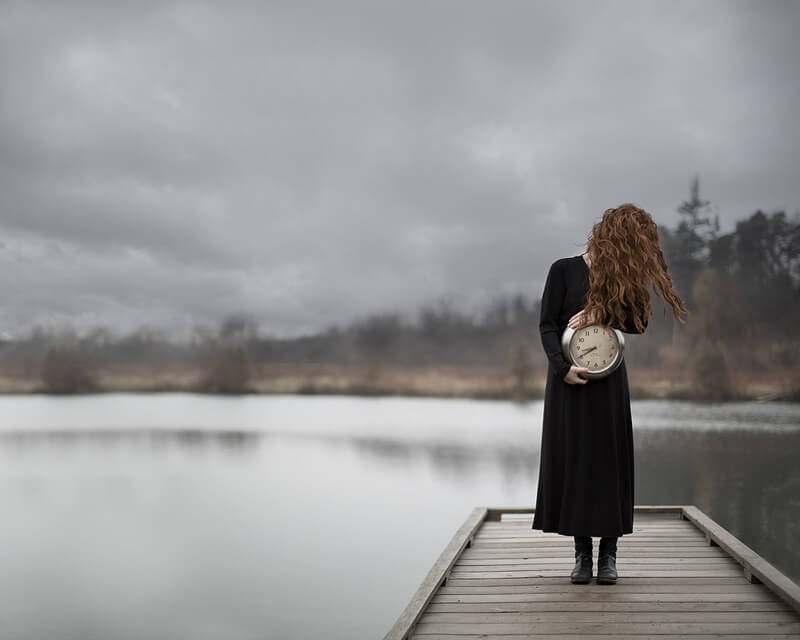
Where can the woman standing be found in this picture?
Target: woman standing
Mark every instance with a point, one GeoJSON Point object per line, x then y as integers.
{"type": "Point", "coordinates": [586, 467]}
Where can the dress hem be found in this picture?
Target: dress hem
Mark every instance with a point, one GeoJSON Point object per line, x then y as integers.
{"type": "Point", "coordinates": [591, 535]}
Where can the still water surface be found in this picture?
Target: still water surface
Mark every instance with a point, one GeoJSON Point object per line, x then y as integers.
{"type": "Point", "coordinates": [178, 516]}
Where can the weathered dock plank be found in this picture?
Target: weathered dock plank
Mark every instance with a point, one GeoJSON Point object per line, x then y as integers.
{"type": "Point", "coordinates": [680, 574]}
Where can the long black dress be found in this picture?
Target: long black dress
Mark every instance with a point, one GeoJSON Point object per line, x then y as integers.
{"type": "Point", "coordinates": [586, 465]}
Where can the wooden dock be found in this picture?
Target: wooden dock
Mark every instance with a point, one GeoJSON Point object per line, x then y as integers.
{"type": "Point", "coordinates": [680, 575]}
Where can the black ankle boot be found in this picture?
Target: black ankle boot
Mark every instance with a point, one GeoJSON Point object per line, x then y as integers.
{"type": "Point", "coordinates": [607, 567]}
{"type": "Point", "coordinates": [582, 573]}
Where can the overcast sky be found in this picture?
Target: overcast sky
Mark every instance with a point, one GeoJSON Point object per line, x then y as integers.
{"type": "Point", "coordinates": [166, 163]}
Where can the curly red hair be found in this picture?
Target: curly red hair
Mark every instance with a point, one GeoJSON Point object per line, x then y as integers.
{"type": "Point", "coordinates": [626, 258]}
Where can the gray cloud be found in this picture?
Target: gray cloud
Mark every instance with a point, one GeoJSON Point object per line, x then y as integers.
{"type": "Point", "coordinates": [310, 162]}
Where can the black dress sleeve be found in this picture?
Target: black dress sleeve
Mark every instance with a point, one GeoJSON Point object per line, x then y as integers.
{"type": "Point", "coordinates": [552, 301]}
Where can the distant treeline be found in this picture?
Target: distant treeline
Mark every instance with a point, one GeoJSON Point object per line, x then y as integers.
{"type": "Point", "coordinates": [742, 289]}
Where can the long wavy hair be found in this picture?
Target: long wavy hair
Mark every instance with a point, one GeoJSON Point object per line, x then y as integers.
{"type": "Point", "coordinates": [626, 258]}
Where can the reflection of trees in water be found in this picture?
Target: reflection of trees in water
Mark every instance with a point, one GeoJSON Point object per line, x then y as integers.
{"type": "Point", "coordinates": [748, 481]}
{"type": "Point", "coordinates": [184, 439]}
{"type": "Point", "coordinates": [516, 463]}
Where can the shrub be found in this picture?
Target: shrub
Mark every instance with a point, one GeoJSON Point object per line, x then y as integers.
{"type": "Point", "coordinates": [67, 369]}
{"type": "Point", "coordinates": [522, 368]}
{"type": "Point", "coordinates": [228, 370]}
{"type": "Point", "coordinates": [710, 374]}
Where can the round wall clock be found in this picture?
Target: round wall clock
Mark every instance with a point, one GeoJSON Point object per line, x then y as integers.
{"type": "Point", "coordinates": [597, 348]}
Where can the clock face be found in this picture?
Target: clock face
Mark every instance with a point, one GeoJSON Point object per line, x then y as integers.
{"type": "Point", "coordinates": [595, 348]}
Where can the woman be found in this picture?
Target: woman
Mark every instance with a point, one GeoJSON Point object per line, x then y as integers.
{"type": "Point", "coordinates": [586, 468]}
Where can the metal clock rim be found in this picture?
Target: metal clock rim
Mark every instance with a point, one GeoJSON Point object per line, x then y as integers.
{"type": "Point", "coordinates": [566, 338]}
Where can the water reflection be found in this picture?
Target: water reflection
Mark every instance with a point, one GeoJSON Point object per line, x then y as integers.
{"type": "Point", "coordinates": [748, 481]}
{"type": "Point", "coordinates": [184, 439]}
{"type": "Point", "coordinates": [259, 506]}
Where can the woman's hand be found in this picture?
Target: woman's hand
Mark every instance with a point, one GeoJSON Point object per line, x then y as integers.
{"type": "Point", "coordinates": [572, 376]}
{"type": "Point", "coordinates": [580, 320]}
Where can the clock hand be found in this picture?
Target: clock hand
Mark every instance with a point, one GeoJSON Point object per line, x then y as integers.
{"type": "Point", "coordinates": [588, 350]}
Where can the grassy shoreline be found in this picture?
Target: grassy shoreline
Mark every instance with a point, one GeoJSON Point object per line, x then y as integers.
{"type": "Point", "coordinates": [439, 381]}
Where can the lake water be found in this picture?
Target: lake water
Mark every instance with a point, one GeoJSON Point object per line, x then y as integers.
{"type": "Point", "coordinates": [178, 516]}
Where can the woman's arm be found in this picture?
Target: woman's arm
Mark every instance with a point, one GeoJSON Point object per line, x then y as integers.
{"type": "Point", "coordinates": [552, 301]}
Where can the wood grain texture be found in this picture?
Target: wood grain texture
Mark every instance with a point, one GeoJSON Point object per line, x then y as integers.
{"type": "Point", "coordinates": [680, 575]}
